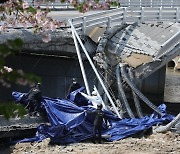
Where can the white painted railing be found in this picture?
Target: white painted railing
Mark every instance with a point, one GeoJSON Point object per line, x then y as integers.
{"type": "Point", "coordinates": [149, 3]}
{"type": "Point", "coordinates": [124, 3]}
{"type": "Point", "coordinates": [127, 15]}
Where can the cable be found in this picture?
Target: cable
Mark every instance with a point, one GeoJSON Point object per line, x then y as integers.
{"type": "Point", "coordinates": [122, 93]}
{"type": "Point", "coordinates": [136, 100]}
{"type": "Point", "coordinates": [138, 92]}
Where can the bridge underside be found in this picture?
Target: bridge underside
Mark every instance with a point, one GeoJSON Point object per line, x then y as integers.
{"type": "Point", "coordinates": [144, 47]}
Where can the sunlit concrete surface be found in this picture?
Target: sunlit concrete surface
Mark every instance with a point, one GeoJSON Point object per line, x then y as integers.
{"type": "Point", "coordinates": [177, 63]}
{"type": "Point", "coordinates": [172, 86]}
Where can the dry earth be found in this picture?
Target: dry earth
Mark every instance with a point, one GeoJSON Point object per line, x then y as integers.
{"type": "Point", "coordinates": [168, 143]}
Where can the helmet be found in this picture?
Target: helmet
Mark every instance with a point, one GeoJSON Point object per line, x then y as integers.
{"type": "Point", "coordinates": [94, 93]}
{"type": "Point", "coordinates": [99, 106]}
{"type": "Point", "coordinates": [38, 84]}
{"type": "Point", "coordinates": [74, 80]}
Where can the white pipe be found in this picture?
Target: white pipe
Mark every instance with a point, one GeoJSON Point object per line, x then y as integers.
{"type": "Point", "coordinates": [81, 64]}
{"type": "Point", "coordinates": [94, 69]}
{"type": "Point", "coordinates": [170, 39]}
{"type": "Point", "coordinates": [162, 129]}
{"type": "Point", "coordinates": [163, 46]}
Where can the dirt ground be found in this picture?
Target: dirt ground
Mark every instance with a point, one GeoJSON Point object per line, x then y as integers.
{"type": "Point", "coordinates": [168, 143]}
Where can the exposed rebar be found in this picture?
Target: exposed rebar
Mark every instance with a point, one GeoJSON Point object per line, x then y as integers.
{"type": "Point", "coordinates": [122, 93]}
{"type": "Point", "coordinates": [136, 100]}
{"type": "Point", "coordinates": [138, 92]}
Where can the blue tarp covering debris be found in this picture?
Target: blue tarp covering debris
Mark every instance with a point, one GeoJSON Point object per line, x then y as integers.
{"type": "Point", "coordinates": [69, 122]}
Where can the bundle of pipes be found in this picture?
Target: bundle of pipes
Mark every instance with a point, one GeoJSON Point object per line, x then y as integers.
{"type": "Point", "coordinates": [136, 92]}
{"type": "Point", "coordinates": [175, 122]}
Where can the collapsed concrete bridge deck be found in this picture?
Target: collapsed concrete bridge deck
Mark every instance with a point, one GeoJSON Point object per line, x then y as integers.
{"type": "Point", "coordinates": [156, 53]}
{"type": "Point", "coordinates": [142, 46]}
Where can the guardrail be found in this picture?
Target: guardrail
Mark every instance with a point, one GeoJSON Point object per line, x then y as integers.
{"type": "Point", "coordinates": [52, 5]}
{"type": "Point", "coordinates": [155, 10]}
{"type": "Point", "coordinates": [124, 3]}
{"type": "Point", "coordinates": [126, 15]}
{"type": "Point", "coordinates": [149, 3]}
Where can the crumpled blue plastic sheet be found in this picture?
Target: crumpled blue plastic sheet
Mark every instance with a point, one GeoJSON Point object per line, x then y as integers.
{"type": "Point", "coordinates": [70, 122]}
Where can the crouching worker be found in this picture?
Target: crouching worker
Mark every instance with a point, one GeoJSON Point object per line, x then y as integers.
{"type": "Point", "coordinates": [98, 121]}
{"type": "Point", "coordinates": [34, 100]}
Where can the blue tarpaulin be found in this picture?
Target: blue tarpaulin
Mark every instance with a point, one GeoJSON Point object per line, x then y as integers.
{"type": "Point", "coordinates": [69, 122]}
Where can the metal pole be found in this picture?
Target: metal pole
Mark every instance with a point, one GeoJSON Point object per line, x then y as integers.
{"type": "Point", "coordinates": [160, 14]}
{"type": "Point", "coordinates": [151, 3]}
{"type": "Point", "coordinates": [81, 64]}
{"type": "Point", "coordinates": [94, 68]}
{"type": "Point", "coordinates": [177, 14]}
{"type": "Point", "coordinates": [124, 15]}
{"type": "Point", "coordinates": [84, 26]}
{"type": "Point", "coordinates": [129, 4]}
{"type": "Point", "coordinates": [142, 14]}
{"type": "Point", "coordinates": [108, 23]}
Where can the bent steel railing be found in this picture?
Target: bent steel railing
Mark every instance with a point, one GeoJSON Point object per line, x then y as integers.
{"type": "Point", "coordinates": [125, 15]}
{"type": "Point", "coordinates": [130, 11]}
{"type": "Point", "coordinates": [149, 3]}
{"type": "Point", "coordinates": [56, 4]}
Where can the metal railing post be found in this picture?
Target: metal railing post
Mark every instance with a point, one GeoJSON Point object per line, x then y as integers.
{"type": "Point", "coordinates": [160, 14]}
{"type": "Point", "coordinates": [142, 14]}
{"type": "Point", "coordinates": [172, 3]}
{"type": "Point", "coordinates": [67, 6]}
{"type": "Point", "coordinates": [33, 3]}
{"type": "Point", "coordinates": [129, 3]}
{"type": "Point", "coordinates": [84, 26]}
{"type": "Point", "coordinates": [177, 14]}
{"type": "Point", "coordinates": [140, 3]}
{"type": "Point", "coordinates": [108, 23]}
{"type": "Point", "coordinates": [124, 15]}
{"type": "Point", "coordinates": [53, 6]}
{"type": "Point", "coordinates": [151, 3]}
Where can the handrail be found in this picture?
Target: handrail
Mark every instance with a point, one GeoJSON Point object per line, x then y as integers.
{"type": "Point", "coordinates": [127, 15]}
{"type": "Point", "coordinates": [123, 3]}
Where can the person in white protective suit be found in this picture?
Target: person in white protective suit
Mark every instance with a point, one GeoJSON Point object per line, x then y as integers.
{"type": "Point", "coordinates": [95, 99]}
